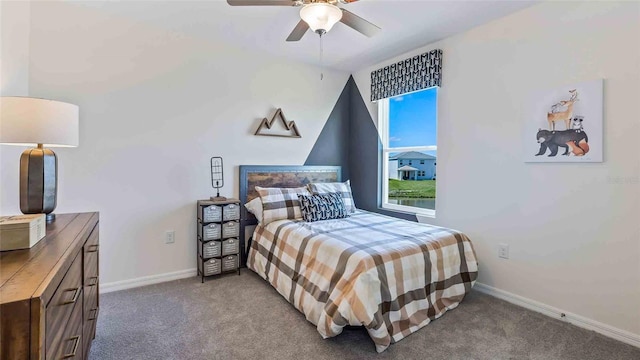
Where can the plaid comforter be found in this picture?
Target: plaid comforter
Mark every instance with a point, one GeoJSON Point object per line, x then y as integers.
{"type": "Point", "coordinates": [389, 275]}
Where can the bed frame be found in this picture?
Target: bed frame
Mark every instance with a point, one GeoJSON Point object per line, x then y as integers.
{"type": "Point", "coordinates": [276, 176]}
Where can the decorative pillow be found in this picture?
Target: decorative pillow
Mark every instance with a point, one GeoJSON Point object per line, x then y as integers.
{"type": "Point", "coordinates": [255, 207]}
{"type": "Point", "coordinates": [318, 207]}
{"type": "Point", "coordinates": [280, 203]}
{"type": "Point", "coordinates": [343, 188]}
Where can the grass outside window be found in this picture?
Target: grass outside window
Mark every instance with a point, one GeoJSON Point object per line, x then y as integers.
{"type": "Point", "coordinates": [425, 189]}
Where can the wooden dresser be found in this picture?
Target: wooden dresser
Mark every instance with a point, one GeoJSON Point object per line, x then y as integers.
{"type": "Point", "coordinates": [49, 293]}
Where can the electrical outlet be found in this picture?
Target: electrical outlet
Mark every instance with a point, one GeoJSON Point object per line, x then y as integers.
{"type": "Point", "coordinates": [169, 237]}
{"type": "Point", "coordinates": [503, 251]}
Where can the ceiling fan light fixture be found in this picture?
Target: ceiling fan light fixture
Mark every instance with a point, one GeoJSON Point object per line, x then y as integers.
{"type": "Point", "coordinates": [320, 16]}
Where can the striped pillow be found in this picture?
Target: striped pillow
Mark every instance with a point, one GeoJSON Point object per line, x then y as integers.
{"type": "Point", "coordinates": [318, 207]}
{"type": "Point", "coordinates": [342, 188]}
{"type": "Point", "coordinates": [280, 203]}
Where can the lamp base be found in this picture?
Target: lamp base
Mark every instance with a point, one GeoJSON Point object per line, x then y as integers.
{"type": "Point", "coordinates": [38, 182]}
{"type": "Point", "coordinates": [49, 218]}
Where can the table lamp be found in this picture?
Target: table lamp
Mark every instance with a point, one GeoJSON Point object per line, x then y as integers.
{"type": "Point", "coordinates": [27, 121]}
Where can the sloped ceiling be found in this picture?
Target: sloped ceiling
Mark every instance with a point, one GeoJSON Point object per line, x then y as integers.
{"type": "Point", "coordinates": [406, 25]}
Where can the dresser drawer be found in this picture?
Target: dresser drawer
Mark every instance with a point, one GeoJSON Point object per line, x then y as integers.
{"type": "Point", "coordinates": [230, 246]}
{"type": "Point", "coordinates": [62, 303]}
{"type": "Point", "coordinates": [210, 249]}
{"type": "Point", "coordinates": [231, 212]}
{"type": "Point", "coordinates": [211, 213]}
{"type": "Point", "coordinates": [91, 251]}
{"type": "Point", "coordinates": [93, 242]}
{"type": "Point", "coordinates": [230, 229]}
{"type": "Point", "coordinates": [71, 341]}
{"type": "Point", "coordinates": [210, 267]}
{"type": "Point", "coordinates": [209, 232]}
{"type": "Point", "coordinates": [90, 316]}
{"type": "Point", "coordinates": [230, 263]}
{"type": "Point", "coordinates": [90, 304]}
{"type": "Point", "coordinates": [89, 333]}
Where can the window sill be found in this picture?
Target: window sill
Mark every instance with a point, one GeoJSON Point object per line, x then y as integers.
{"type": "Point", "coordinates": [409, 210]}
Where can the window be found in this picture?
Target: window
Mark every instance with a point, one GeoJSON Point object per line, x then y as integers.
{"type": "Point", "coordinates": [407, 125]}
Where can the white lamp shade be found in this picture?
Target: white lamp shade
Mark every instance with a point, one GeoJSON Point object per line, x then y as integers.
{"type": "Point", "coordinates": [30, 121]}
{"type": "Point", "coordinates": [320, 16]}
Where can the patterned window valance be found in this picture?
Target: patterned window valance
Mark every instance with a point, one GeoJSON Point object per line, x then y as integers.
{"type": "Point", "coordinates": [417, 73]}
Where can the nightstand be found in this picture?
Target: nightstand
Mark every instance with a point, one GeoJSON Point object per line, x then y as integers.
{"type": "Point", "coordinates": [219, 248]}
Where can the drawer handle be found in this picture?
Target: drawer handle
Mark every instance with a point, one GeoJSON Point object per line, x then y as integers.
{"type": "Point", "coordinates": [93, 281]}
{"type": "Point", "coordinates": [93, 248]}
{"type": "Point", "coordinates": [95, 314]}
{"type": "Point", "coordinates": [75, 295]}
{"type": "Point", "coordinates": [76, 340]}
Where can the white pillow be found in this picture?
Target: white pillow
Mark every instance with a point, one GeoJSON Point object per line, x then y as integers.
{"type": "Point", "coordinates": [255, 207]}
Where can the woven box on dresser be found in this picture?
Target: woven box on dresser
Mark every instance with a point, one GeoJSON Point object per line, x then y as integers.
{"type": "Point", "coordinates": [21, 231]}
{"type": "Point", "coordinates": [219, 248]}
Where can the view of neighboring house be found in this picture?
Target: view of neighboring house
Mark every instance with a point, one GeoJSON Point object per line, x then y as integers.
{"type": "Point", "coordinates": [412, 165]}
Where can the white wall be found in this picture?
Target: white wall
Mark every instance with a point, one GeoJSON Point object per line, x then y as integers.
{"type": "Point", "coordinates": [14, 47]}
{"type": "Point", "coordinates": [155, 105]}
{"type": "Point", "coordinates": [14, 80]}
{"type": "Point", "coordinates": [573, 229]}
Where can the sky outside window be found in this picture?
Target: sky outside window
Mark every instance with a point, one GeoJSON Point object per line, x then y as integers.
{"type": "Point", "coordinates": [412, 119]}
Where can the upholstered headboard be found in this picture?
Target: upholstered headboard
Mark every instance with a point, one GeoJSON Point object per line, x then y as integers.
{"type": "Point", "coordinates": [277, 176]}
{"type": "Point", "coordinates": [280, 176]}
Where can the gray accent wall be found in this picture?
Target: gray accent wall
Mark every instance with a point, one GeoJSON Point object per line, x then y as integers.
{"type": "Point", "coordinates": [350, 139]}
{"type": "Point", "coordinates": [332, 145]}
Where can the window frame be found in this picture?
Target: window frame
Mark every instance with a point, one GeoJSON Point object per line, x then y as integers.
{"type": "Point", "coordinates": [383, 131]}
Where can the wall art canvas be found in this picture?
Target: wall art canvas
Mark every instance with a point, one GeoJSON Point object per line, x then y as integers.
{"type": "Point", "coordinates": [565, 124]}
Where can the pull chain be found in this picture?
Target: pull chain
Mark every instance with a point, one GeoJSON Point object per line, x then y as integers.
{"type": "Point", "coordinates": [321, 65]}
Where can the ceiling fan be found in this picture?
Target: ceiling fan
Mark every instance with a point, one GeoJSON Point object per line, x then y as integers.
{"type": "Point", "coordinates": [317, 15]}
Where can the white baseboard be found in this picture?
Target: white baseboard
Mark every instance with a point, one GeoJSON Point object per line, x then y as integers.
{"type": "Point", "coordinates": [577, 320]}
{"type": "Point", "coordinates": [146, 280]}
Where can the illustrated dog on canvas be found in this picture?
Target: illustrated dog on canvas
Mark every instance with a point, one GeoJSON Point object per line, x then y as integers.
{"type": "Point", "coordinates": [576, 123]}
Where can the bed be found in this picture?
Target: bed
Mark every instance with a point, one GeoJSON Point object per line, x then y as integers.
{"type": "Point", "coordinates": [389, 275]}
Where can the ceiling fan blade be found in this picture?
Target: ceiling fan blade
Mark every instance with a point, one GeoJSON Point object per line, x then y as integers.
{"type": "Point", "coordinates": [261, 2]}
{"type": "Point", "coordinates": [359, 24]}
{"type": "Point", "coordinates": [299, 31]}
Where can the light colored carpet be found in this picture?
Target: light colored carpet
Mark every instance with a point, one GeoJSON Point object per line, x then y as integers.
{"type": "Point", "coordinates": [243, 317]}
